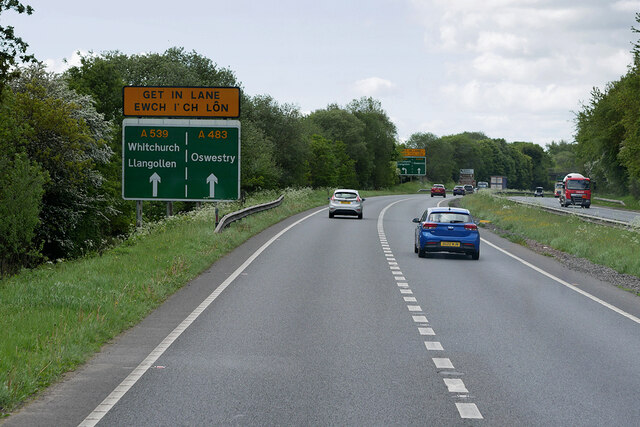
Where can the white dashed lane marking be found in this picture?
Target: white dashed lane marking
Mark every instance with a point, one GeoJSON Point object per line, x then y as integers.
{"type": "Point", "coordinates": [469, 410]}
{"type": "Point", "coordinates": [443, 363]}
{"type": "Point", "coordinates": [433, 346]}
{"type": "Point", "coordinates": [466, 410]}
{"type": "Point", "coordinates": [455, 385]}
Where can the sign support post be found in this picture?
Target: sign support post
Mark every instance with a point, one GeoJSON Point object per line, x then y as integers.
{"type": "Point", "coordinates": [138, 213]}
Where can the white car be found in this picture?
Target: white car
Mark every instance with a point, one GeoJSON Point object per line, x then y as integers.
{"type": "Point", "coordinates": [346, 202]}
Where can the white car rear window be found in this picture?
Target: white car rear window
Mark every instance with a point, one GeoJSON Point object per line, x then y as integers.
{"type": "Point", "coordinates": [449, 217]}
{"type": "Point", "coordinates": [343, 195]}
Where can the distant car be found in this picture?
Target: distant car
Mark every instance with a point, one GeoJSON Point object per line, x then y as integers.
{"type": "Point", "coordinates": [438, 190]}
{"type": "Point", "coordinates": [346, 202]}
{"type": "Point", "coordinates": [458, 190]}
{"type": "Point", "coordinates": [446, 230]}
{"type": "Point", "coordinates": [539, 192]}
{"type": "Point", "coordinates": [468, 189]}
{"type": "Point", "coordinates": [483, 184]}
{"type": "Point", "coordinates": [558, 189]}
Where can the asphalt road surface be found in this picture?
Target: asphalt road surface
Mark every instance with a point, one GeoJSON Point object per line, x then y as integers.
{"type": "Point", "coordinates": [322, 321]}
{"type": "Point", "coordinates": [622, 215]}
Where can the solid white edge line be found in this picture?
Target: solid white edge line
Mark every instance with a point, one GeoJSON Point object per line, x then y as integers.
{"type": "Point", "coordinates": [109, 402]}
{"type": "Point", "coordinates": [566, 284]}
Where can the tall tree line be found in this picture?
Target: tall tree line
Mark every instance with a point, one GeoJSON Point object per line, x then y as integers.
{"type": "Point", "coordinates": [525, 164]}
{"type": "Point", "coordinates": [61, 139]}
{"type": "Point", "coordinates": [608, 131]}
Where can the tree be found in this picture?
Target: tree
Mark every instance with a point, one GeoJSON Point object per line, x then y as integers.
{"type": "Point", "coordinates": [466, 153]}
{"type": "Point", "coordinates": [420, 140]}
{"type": "Point", "coordinates": [12, 46]}
{"type": "Point", "coordinates": [600, 132]}
{"type": "Point", "coordinates": [441, 164]}
{"type": "Point", "coordinates": [540, 163]}
{"type": "Point", "coordinates": [100, 79]}
{"type": "Point", "coordinates": [66, 137]}
{"type": "Point", "coordinates": [342, 126]}
{"type": "Point", "coordinates": [380, 136]}
{"type": "Point", "coordinates": [259, 168]}
{"type": "Point", "coordinates": [21, 190]}
{"type": "Point", "coordinates": [103, 76]}
{"type": "Point", "coordinates": [323, 163]}
{"type": "Point", "coordinates": [282, 125]}
{"type": "Point", "coordinates": [174, 67]}
{"type": "Point", "coordinates": [563, 158]}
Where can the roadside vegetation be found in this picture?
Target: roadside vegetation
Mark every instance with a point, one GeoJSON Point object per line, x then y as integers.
{"type": "Point", "coordinates": [74, 270]}
{"type": "Point", "coordinates": [630, 202]}
{"type": "Point", "coordinates": [54, 317]}
{"type": "Point", "coordinates": [612, 247]}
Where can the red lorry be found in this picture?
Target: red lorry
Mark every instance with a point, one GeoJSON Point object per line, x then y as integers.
{"type": "Point", "coordinates": [576, 190]}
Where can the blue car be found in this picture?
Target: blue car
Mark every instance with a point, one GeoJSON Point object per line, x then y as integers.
{"type": "Point", "coordinates": [446, 230]}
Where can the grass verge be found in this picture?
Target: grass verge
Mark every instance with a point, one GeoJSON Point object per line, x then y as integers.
{"type": "Point", "coordinates": [630, 202]}
{"type": "Point", "coordinates": [53, 318]}
{"type": "Point", "coordinates": [612, 247]}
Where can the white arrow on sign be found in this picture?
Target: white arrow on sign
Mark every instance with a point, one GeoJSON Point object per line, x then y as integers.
{"type": "Point", "coordinates": [155, 179]}
{"type": "Point", "coordinates": [212, 180]}
{"type": "Point", "coordinates": [404, 170]}
{"type": "Point", "coordinates": [419, 171]}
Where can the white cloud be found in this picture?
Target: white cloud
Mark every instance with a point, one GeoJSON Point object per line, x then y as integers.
{"type": "Point", "coordinates": [373, 86]}
{"type": "Point", "coordinates": [627, 6]}
{"type": "Point", "coordinates": [60, 65]}
{"type": "Point", "coordinates": [511, 98]}
{"type": "Point", "coordinates": [494, 41]}
{"type": "Point", "coordinates": [525, 63]}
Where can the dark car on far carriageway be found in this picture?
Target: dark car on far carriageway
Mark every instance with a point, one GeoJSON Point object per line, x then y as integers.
{"type": "Point", "coordinates": [458, 190]}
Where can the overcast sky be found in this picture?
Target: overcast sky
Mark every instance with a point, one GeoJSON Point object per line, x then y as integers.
{"type": "Point", "coordinates": [513, 69]}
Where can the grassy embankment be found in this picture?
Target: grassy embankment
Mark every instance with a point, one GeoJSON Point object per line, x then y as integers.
{"type": "Point", "coordinates": [630, 202]}
{"type": "Point", "coordinates": [609, 246]}
{"type": "Point", "coordinates": [53, 318]}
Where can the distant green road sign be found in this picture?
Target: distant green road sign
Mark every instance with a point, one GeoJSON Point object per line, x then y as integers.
{"type": "Point", "coordinates": [180, 159]}
{"type": "Point", "coordinates": [413, 166]}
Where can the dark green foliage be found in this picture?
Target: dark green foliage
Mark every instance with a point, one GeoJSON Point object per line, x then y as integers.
{"type": "Point", "coordinates": [600, 133]}
{"type": "Point", "coordinates": [281, 126]}
{"type": "Point", "coordinates": [12, 47]}
{"type": "Point", "coordinates": [63, 135]}
{"type": "Point", "coordinates": [608, 132]}
{"type": "Point", "coordinates": [21, 190]}
{"type": "Point", "coordinates": [486, 156]}
{"type": "Point", "coordinates": [99, 79]}
{"type": "Point", "coordinates": [380, 136]}
{"type": "Point", "coordinates": [259, 169]}
{"type": "Point", "coordinates": [323, 163]}
{"type": "Point", "coordinates": [441, 161]}
{"type": "Point", "coordinates": [540, 162]}
{"type": "Point", "coordinates": [337, 124]}
{"type": "Point", "coordinates": [564, 159]}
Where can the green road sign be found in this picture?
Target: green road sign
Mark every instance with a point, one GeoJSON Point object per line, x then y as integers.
{"type": "Point", "coordinates": [180, 159]}
{"type": "Point", "coordinates": [413, 166]}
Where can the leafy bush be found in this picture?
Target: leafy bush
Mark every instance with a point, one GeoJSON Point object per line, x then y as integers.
{"type": "Point", "coordinates": [21, 190]}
